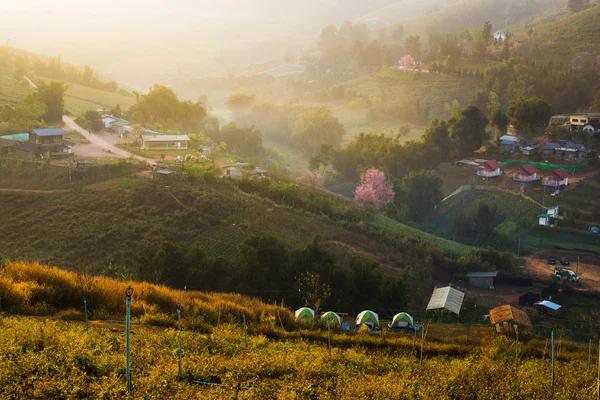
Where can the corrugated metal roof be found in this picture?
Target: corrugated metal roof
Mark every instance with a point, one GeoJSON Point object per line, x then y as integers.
{"type": "Point", "coordinates": [484, 274]}
{"type": "Point", "coordinates": [448, 298]}
{"type": "Point", "coordinates": [18, 137]}
{"type": "Point", "coordinates": [548, 304]}
{"type": "Point", "coordinates": [49, 131]}
{"type": "Point", "coordinates": [28, 147]}
{"type": "Point", "coordinates": [165, 138]}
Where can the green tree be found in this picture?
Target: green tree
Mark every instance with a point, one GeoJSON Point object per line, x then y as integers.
{"type": "Point", "coordinates": [421, 192]}
{"type": "Point", "coordinates": [240, 103]}
{"type": "Point", "coordinates": [468, 129]}
{"type": "Point", "coordinates": [246, 142]}
{"type": "Point", "coordinates": [529, 116]}
{"type": "Point", "coordinates": [595, 106]}
{"type": "Point", "coordinates": [372, 54]}
{"type": "Point", "coordinates": [499, 121]}
{"type": "Point", "coordinates": [314, 291]}
{"type": "Point", "coordinates": [391, 210]}
{"type": "Point", "coordinates": [52, 96]}
{"type": "Point", "coordinates": [314, 126]}
{"type": "Point", "coordinates": [437, 135]}
{"type": "Point", "coordinates": [486, 33]}
{"type": "Point", "coordinates": [404, 130]}
{"type": "Point", "coordinates": [412, 46]}
{"type": "Point", "coordinates": [116, 112]}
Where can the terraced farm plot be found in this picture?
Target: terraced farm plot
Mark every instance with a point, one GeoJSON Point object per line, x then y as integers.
{"type": "Point", "coordinates": [12, 90]}
{"type": "Point", "coordinates": [97, 96]}
{"type": "Point", "coordinates": [402, 86]}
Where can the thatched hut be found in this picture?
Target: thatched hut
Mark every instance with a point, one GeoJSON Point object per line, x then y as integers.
{"type": "Point", "coordinates": [509, 320]}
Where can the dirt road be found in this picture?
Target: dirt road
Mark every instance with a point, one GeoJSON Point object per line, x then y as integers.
{"type": "Point", "coordinates": [100, 143]}
{"type": "Point", "coordinates": [589, 267]}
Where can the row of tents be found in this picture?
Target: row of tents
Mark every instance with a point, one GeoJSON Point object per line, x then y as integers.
{"type": "Point", "coordinates": [367, 318]}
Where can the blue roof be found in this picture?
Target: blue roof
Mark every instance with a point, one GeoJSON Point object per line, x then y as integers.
{"type": "Point", "coordinates": [28, 147]}
{"type": "Point", "coordinates": [49, 132]}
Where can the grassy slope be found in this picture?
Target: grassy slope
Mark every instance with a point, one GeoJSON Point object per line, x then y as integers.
{"type": "Point", "coordinates": [401, 86]}
{"type": "Point", "coordinates": [79, 97]}
{"type": "Point", "coordinates": [98, 227]}
{"type": "Point", "coordinates": [12, 90]}
{"type": "Point", "coordinates": [393, 226]}
{"type": "Point", "coordinates": [510, 207]}
{"type": "Point", "coordinates": [473, 13]}
{"type": "Point", "coordinates": [562, 39]}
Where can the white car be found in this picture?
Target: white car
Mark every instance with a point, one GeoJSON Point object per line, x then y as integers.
{"type": "Point", "coordinates": [566, 274]}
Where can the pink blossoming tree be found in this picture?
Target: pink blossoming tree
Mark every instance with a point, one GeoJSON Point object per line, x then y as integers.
{"type": "Point", "coordinates": [582, 60]}
{"type": "Point", "coordinates": [373, 192]}
{"type": "Point", "coordinates": [406, 62]}
{"type": "Point", "coordinates": [312, 177]}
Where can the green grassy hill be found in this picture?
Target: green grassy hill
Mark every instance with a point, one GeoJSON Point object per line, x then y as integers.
{"type": "Point", "coordinates": [473, 13]}
{"type": "Point", "coordinates": [79, 99]}
{"type": "Point", "coordinates": [91, 227]}
{"type": "Point", "coordinates": [515, 215]}
{"type": "Point", "coordinates": [12, 90]}
{"type": "Point", "coordinates": [560, 40]}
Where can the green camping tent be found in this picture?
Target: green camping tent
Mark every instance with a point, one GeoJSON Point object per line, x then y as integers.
{"type": "Point", "coordinates": [402, 320]}
{"type": "Point", "coordinates": [368, 317]}
{"type": "Point", "coordinates": [332, 317]}
{"type": "Point", "coordinates": [305, 313]}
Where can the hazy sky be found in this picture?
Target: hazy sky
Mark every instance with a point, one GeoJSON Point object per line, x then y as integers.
{"type": "Point", "coordinates": [140, 42]}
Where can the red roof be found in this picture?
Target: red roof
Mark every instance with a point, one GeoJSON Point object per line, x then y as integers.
{"type": "Point", "coordinates": [560, 174]}
{"type": "Point", "coordinates": [491, 165]}
{"type": "Point", "coordinates": [528, 169]}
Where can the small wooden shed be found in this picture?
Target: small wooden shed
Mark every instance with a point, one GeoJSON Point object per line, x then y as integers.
{"type": "Point", "coordinates": [509, 320]}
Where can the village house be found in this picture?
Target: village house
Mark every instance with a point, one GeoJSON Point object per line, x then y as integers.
{"type": "Point", "coordinates": [592, 127]}
{"type": "Point", "coordinates": [47, 136]}
{"type": "Point", "coordinates": [557, 178]}
{"type": "Point", "coordinates": [530, 148]}
{"type": "Point", "coordinates": [483, 280]}
{"type": "Point", "coordinates": [32, 150]}
{"type": "Point", "coordinates": [526, 173]}
{"type": "Point", "coordinates": [489, 169]}
{"type": "Point", "coordinates": [243, 171]}
{"type": "Point", "coordinates": [578, 121]}
{"type": "Point", "coordinates": [165, 142]}
{"type": "Point", "coordinates": [570, 151]}
{"type": "Point", "coordinates": [509, 143]}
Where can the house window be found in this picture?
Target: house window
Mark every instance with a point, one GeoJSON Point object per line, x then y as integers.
{"type": "Point", "coordinates": [228, 172]}
{"type": "Point", "coordinates": [575, 120]}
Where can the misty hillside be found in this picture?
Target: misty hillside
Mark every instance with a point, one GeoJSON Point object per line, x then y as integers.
{"type": "Point", "coordinates": [403, 9]}
{"type": "Point", "coordinates": [473, 13]}
{"type": "Point", "coordinates": [563, 38]}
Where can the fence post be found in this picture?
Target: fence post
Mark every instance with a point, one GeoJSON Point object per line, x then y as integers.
{"type": "Point", "coordinates": [245, 336]}
{"type": "Point", "coordinates": [422, 340]}
{"type": "Point", "coordinates": [589, 355]}
{"type": "Point", "coordinates": [517, 353]}
{"type": "Point", "coordinates": [180, 342]}
{"type": "Point", "coordinates": [86, 314]}
{"type": "Point", "coordinates": [219, 316]}
{"type": "Point", "coordinates": [128, 293]}
{"type": "Point", "coordinates": [552, 361]}
{"type": "Point", "coordinates": [328, 335]}
{"type": "Point", "coordinates": [598, 384]}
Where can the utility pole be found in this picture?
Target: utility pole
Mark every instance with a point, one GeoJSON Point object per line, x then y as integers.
{"type": "Point", "coordinates": [577, 271]}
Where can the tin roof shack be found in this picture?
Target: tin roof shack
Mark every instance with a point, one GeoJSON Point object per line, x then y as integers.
{"type": "Point", "coordinates": [546, 306]}
{"type": "Point", "coordinates": [47, 136]}
{"type": "Point", "coordinates": [509, 320]}
{"type": "Point", "coordinates": [509, 143]}
{"type": "Point", "coordinates": [165, 142]}
{"type": "Point", "coordinates": [446, 298]}
{"type": "Point", "coordinates": [32, 150]}
{"type": "Point", "coordinates": [484, 280]}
